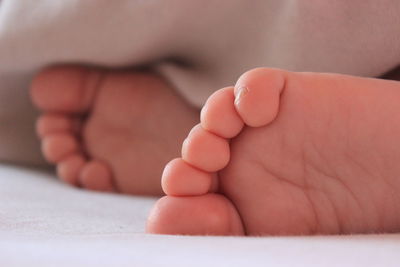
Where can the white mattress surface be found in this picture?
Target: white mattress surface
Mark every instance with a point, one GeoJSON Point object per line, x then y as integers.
{"type": "Point", "coordinates": [46, 223]}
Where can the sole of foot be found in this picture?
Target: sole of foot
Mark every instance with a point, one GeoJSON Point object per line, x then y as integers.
{"type": "Point", "coordinates": [110, 131]}
{"type": "Point", "coordinates": [293, 154]}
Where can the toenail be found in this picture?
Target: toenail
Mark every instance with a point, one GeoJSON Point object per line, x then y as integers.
{"type": "Point", "coordinates": [241, 92]}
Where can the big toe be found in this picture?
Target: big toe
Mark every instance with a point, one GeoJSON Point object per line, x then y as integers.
{"type": "Point", "coordinates": [211, 214]}
{"type": "Point", "coordinates": [257, 95]}
{"type": "Point", "coordinates": [65, 88]}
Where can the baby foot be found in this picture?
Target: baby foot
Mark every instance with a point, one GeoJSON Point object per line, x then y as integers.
{"type": "Point", "coordinates": [324, 159]}
{"type": "Point", "coordinates": [109, 131]}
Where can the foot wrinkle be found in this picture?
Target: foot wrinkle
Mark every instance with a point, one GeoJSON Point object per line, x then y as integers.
{"type": "Point", "coordinates": [282, 94]}
{"type": "Point", "coordinates": [305, 188]}
{"type": "Point", "coordinates": [339, 222]}
{"type": "Point", "coordinates": [317, 221]}
{"type": "Point", "coordinates": [308, 187]}
{"type": "Point", "coordinates": [231, 226]}
{"type": "Point", "coordinates": [334, 176]}
{"type": "Point", "coordinates": [358, 164]}
{"type": "Point", "coordinates": [336, 179]}
{"type": "Point", "coordinates": [276, 176]}
{"type": "Point", "coordinates": [308, 165]}
{"type": "Point", "coordinates": [396, 197]}
{"type": "Point", "coordinates": [336, 214]}
{"type": "Point", "coordinates": [93, 85]}
{"type": "Point", "coordinates": [369, 174]}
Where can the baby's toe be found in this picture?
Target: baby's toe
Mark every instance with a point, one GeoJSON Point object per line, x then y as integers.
{"type": "Point", "coordinates": [97, 176]}
{"type": "Point", "coordinates": [257, 95]}
{"type": "Point", "coordinates": [211, 214]}
{"type": "Point", "coordinates": [219, 115]}
{"type": "Point", "coordinates": [67, 89]}
{"type": "Point", "coordinates": [57, 147]}
{"type": "Point", "coordinates": [205, 151]}
{"type": "Point", "coordinates": [51, 123]}
{"type": "Point", "coordinates": [69, 169]}
{"type": "Point", "coordinates": [181, 179]}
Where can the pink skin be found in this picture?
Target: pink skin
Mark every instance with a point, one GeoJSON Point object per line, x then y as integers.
{"type": "Point", "coordinates": [97, 129]}
{"type": "Point", "coordinates": [318, 154]}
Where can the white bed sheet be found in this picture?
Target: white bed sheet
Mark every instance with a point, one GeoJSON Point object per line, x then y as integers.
{"type": "Point", "coordinates": [46, 223]}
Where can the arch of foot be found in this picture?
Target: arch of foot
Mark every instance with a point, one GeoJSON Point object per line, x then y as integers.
{"type": "Point", "coordinates": [187, 181]}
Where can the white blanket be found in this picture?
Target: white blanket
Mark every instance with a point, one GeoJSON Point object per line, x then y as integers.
{"type": "Point", "coordinates": [46, 223]}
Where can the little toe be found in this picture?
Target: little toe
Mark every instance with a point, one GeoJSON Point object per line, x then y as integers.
{"type": "Point", "coordinates": [58, 146]}
{"type": "Point", "coordinates": [97, 176]}
{"type": "Point", "coordinates": [65, 88]}
{"type": "Point", "coordinates": [257, 95]}
{"type": "Point", "coordinates": [219, 115]}
{"type": "Point", "coordinates": [69, 169]}
{"type": "Point", "coordinates": [205, 151]}
{"type": "Point", "coordinates": [51, 123]}
{"type": "Point", "coordinates": [181, 179]}
{"type": "Point", "coordinates": [210, 214]}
